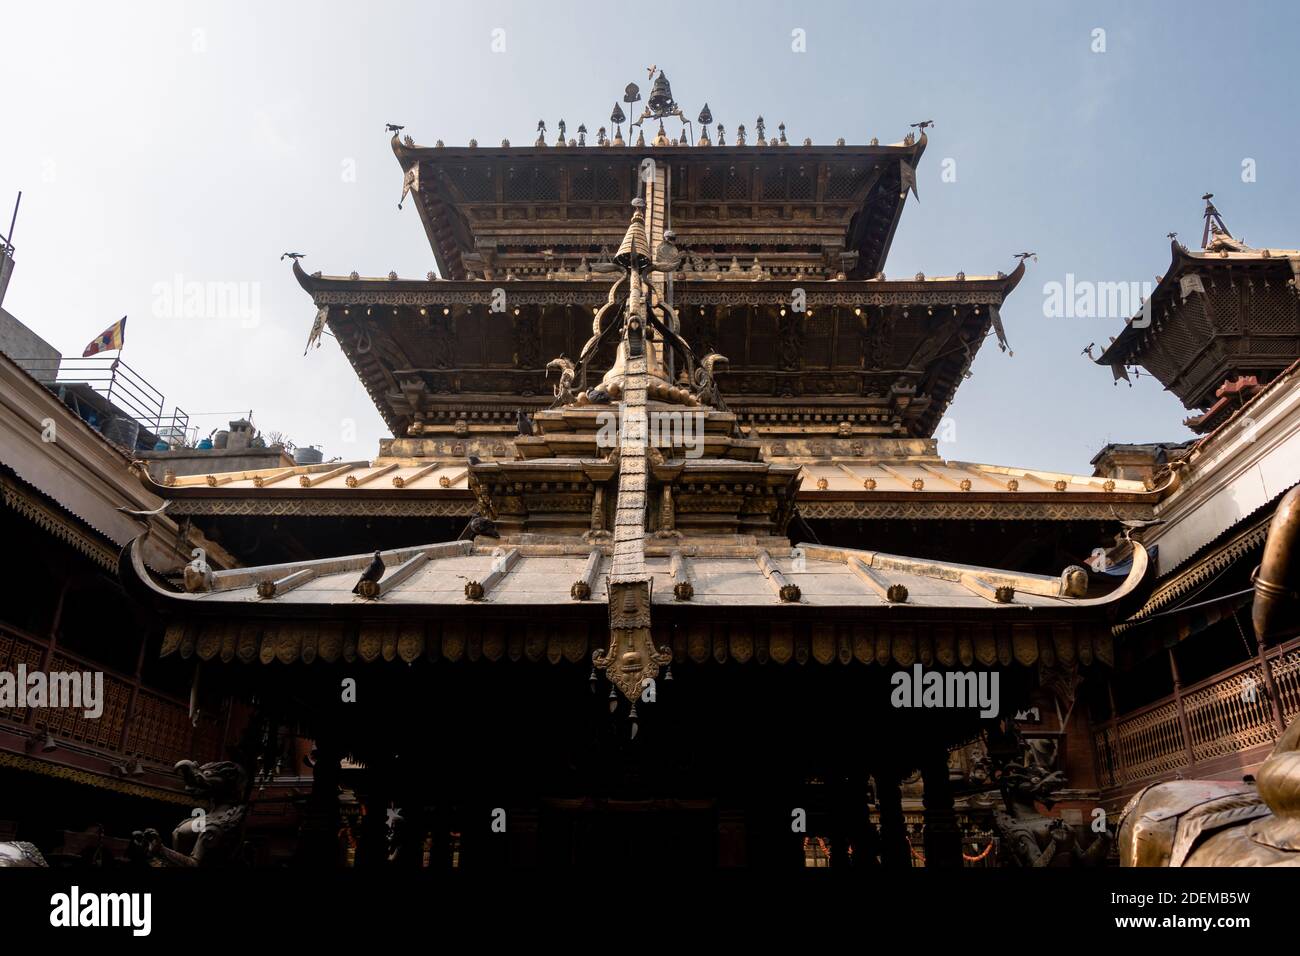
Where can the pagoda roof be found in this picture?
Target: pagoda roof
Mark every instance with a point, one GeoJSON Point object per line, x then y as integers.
{"type": "Point", "coordinates": [525, 573]}
{"type": "Point", "coordinates": [515, 204]}
{"type": "Point", "coordinates": [883, 486]}
{"type": "Point", "coordinates": [1201, 337]}
{"type": "Point", "coordinates": [384, 327]}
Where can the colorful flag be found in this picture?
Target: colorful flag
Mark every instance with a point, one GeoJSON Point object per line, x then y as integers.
{"type": "Point", "coordinates": [108, 340]}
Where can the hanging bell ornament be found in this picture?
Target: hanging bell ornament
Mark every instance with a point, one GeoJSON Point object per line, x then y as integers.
{"type": "Point", "coordinates": [592, 680]}
{"type": "Point", "coordinates": [636, 724]}
{"type": "Point", "coordinates": [613, 700]}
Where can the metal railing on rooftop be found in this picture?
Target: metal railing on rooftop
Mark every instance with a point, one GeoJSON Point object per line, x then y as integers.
{"type": "Point", "coordinates": [122, 386]}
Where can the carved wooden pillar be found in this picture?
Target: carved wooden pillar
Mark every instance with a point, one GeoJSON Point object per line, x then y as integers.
{"type": "Point", "coordinates": [372, 841]}
{"type": "Point", "coordinates": [862, 832]}
{"type": "Point", "coordinates": [318, 837]}
{"type": "Point", "coordinates": [1183, 728]}
{"type": "Point", "coordinates": [942, 836]}
{"type": "Point", "coordinates": [895, 851]}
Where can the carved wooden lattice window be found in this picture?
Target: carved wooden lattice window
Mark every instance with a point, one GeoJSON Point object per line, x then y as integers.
{"type": "Point", "coordinates": [582, 184]}
{"type": "Point", "coordinates": [801, 184]}
{"type": "Point", "coordinates": [607, 186]}
{"type": "Point", "coordinates": [844, 182]}
{"type": "Point", "coordinates": [1270, 310]}
{"type": "Point", "coordinates": [711, 184]}
{"type": "Point", "coordinates": [533, 184]}
{"type": "Point", "coordinates": [774, 184]}
{"type": "Point", "coordinates": [475, 185]}
{"type": "Point", "coordinates": [737, 184]}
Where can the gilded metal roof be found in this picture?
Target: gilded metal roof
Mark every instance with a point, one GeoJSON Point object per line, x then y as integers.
{"type": "Point", "coordinates": [734, 572]}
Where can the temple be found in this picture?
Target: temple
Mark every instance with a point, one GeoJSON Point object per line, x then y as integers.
{"type": "Point", "coordinates": [662, 564]}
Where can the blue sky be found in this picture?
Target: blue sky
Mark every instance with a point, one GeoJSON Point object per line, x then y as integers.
{"type": "Point", "coordinates": [202, 140]}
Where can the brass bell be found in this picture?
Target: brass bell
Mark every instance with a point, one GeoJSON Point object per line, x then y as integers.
{"type": "Point", "coordinates": [661, 95]}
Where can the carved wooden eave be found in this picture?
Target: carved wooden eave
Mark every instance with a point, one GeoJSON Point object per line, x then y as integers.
{"type": "Point", "coordinates": [846, 605]}
{"type": "Point", "coordinates": [439, 486]}
{"type": "Point", "coordinates": [486, 209]}
{"type": "Point", "coordinates": [886, 356]}
{"type": "Point", "coordinates": [1215, 315]}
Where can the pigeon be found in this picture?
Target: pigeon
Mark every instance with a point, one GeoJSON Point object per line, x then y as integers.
{"type": "Point", "coordinates": [295, 256]}
{"type": "Point", "coordinates": [393, 127]}
{"type": "Point", "coordinates": [523, 424]}
{"type": "Point", "coordinates": [479, 525]}
{"type": "Point", "coordinates": [598, 396]}
{"type": "Point", "coordinates": [1026, 255]}
{"type": "Point", "coordinates": [474, 460]}
{"type": "Point", "coordinates": [373, 572]}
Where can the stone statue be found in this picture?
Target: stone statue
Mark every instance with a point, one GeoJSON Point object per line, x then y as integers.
{"type": "Point", "coordinates": [706, 387]}
{"type": "Point", "coordinates": [208, 838]}
{"type": "Point", "coordinates": [1032, 839]}
{"type": "Point", "coordinates": [564, 393]}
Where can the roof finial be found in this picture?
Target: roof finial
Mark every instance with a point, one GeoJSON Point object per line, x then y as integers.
{"type": "Point", "coordinates": [1213, 222]}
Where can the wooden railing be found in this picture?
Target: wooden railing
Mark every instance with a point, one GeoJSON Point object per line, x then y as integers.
{"type": "Point", "coordinates": [136, 720]}
{"type": "Point", "coordinates": [1228, 713]}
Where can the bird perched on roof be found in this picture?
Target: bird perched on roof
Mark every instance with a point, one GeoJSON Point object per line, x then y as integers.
{"type": "Point", "coordinates": [474, 460]}
{"type": "Point", "coordinates": [598, 396]}
{"type": "Point", "coordinates": [921, 125]}
{"type": "Point", "coordinates": [1022, 256]}
{"type": "Point", "coordinates": [373, 572]}
{"type": "Point", "coordinates": [291, 255]}
{"type": "Point", "coordinates": [523, 424]}
{"type": "Point", "coordinates": [393, 127]}
{"type": "Point", "coordinates": [1087, 350]}
{"type": "Point", "coordinates": [478, 525]}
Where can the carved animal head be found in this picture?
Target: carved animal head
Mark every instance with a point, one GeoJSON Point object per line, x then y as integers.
{"type": "Point", "coordinates": [221, 781]}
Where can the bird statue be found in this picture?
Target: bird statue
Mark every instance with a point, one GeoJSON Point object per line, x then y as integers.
{"type": "Point", "coordinates": [198, 573]}
{"type": "Point", "coordinates": [373, 572]}
{"type": "Point", "coordinates": [478, 525]}
{"type": "Point", "coordinates": [1131, 525]}
{"type": "Point", "coordinates": [393, 127]}
{"type": "Point", "coordinates": [291, 255]}
{"type": "Point", "coordinates": [523, 424]}
{"type": "Point", "coordinates": [146, 514]}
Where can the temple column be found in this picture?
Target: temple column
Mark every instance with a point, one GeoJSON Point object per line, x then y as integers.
{"type": "Point", "coordinates": [318, 836]}
{"type": "Point", "coordinates": [862, 832]}
{"type": "Point", "coordinates": [895, 852]}
{"type": "Point", "coordinates": [942, 836]}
